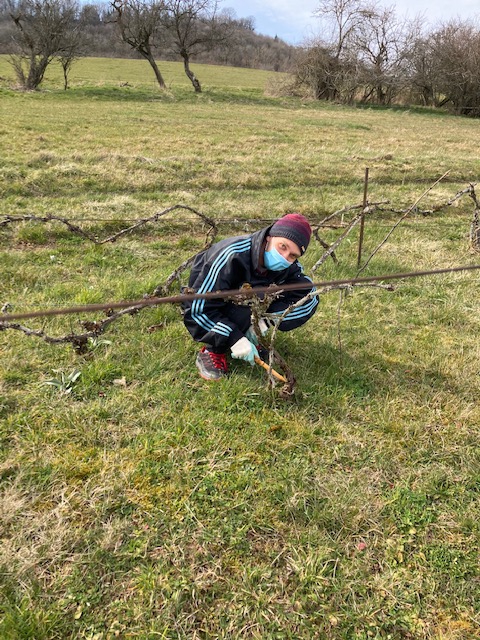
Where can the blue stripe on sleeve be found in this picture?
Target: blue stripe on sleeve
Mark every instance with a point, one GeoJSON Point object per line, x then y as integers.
{"type": "Point", "coordinates": [197, 311]}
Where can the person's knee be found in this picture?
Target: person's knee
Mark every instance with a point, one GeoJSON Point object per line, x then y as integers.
{"type": "Point", "coordinates": [241, 316]}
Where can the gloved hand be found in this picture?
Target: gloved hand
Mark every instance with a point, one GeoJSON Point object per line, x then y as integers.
{"type": "Point", "coordinates": [262, 325]}
{"type": "Point", "coordinates": [243, 349]}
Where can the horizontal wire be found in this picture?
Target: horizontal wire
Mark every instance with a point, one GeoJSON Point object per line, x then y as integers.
{"type": "Point", "coordinates": [245, 221]}
{"type": "Point", "coordinates": [240, 293]}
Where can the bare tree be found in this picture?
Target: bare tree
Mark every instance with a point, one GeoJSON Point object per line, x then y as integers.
{"type": "Point", "coordinates": [445, 67]}
{"type": "Point", "coordinates": [422, 81]}
{"type": "Point", "coordinates": [455, 66]}
{"type": "Point", "coordinates": [381, 43]}
{"type": "Point", "coordinates": [362, 54]}
{"type": "Point", "coordinates": [98, 26]}
{"type": "Point", "coordinates": [194, 27]}
{"type": "Point", "coordinates": [343, 19]}
{"type": "Point", "coordinates": [140, 23]}
{"type": "Point", "coordinates": [317, 69]}
{"type": "Point", "coordinates": [44, 29]}
{"type": "Point", "coordinates": [73, 49]}
{"type": "Point", "coordinates": [332, 60]}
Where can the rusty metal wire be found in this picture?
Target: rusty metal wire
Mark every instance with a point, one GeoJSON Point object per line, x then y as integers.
{"type": "Point", "coordinates": [151, 301]}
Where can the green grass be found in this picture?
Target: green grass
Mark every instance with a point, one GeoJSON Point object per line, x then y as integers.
{"type": "Point", "coordinates": [146, 503]}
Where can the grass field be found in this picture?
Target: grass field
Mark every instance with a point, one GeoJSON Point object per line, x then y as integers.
{"type": "Point", "coordinates": [139, 501]}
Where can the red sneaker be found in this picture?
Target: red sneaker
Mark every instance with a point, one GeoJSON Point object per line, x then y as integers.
{"type": "Point", "coordinates": [211, 366]}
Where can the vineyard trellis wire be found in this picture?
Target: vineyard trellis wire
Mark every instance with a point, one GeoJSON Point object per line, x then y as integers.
{"type": "Point", "coordinates": [92, 329]}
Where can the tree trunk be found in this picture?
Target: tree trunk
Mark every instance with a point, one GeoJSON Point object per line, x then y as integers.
{"type": "Point", "coordinates": [147, 54]}
{"type": "Point", "coordinates": [66, 64]}
{"type": "Point", "coordinates": [36, 72]}
{"type": "Point", "coordinates": [190, 75]}
{"type": "Point", "coordinates": [381, 96]}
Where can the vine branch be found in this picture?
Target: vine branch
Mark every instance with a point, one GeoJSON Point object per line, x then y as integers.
{"type": "Point", "coordinates": [80, 341]}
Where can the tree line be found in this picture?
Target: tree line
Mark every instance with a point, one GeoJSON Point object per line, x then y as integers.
{"type": "Point", "coordinates": [366, 53]}
{"type": "Point", "coordinates": [36, 32]}
{"type": "Point", "coordinates": [369, 54]}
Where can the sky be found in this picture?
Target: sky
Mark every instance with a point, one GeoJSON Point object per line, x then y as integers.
{"type": "Point", "coordinates": [292, 20]}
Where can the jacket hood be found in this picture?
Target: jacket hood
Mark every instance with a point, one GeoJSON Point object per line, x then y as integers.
{"type": "Point", "coordinates": [258, 241]}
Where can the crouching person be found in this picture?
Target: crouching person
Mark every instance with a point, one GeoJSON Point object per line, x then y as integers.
{"type": "Point", "coordinates": [268, 256]}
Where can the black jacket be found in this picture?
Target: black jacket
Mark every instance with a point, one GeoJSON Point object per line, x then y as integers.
{"type": "Point", "coordinates": [229, 264]}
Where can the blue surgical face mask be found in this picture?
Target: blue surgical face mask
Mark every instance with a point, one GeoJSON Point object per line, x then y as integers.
{"type": "Point", "coordinates": [274, 261]}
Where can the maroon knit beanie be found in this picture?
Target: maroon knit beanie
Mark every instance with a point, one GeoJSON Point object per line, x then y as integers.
{"type": "Point", "coordinates": [294, 227]}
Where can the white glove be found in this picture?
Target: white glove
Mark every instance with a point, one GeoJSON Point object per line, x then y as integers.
{"type": "Point", "coordinates": [243, 349]}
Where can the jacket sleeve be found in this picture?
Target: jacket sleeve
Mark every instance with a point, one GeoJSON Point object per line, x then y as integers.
{"type": "Point", "coordinates": [206, 320]}
{"type": "Point", "coordinates": [301, 314]}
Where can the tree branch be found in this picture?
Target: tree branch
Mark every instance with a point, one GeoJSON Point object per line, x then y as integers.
{"type": "Point", "coordinates": [409, 210]}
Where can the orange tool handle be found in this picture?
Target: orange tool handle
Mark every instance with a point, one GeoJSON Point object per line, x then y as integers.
{"type": "Point", "coordinates": [275, 374]}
